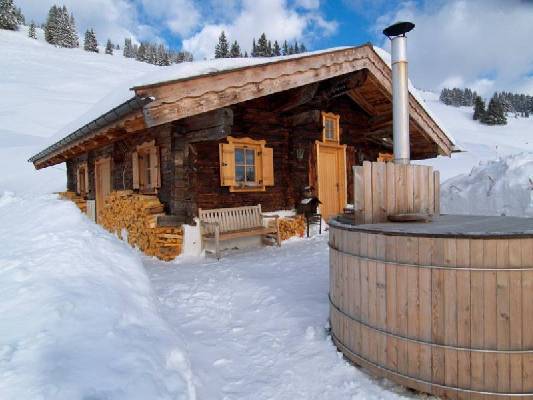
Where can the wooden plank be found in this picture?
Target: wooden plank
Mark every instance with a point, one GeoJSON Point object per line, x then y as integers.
{"type": "Point", "coordinates": [450, 309]}
{"type": "Point", "coordinates": [515, 317]}
{"type": "Point", "coordinates": [381, 299]}
{"type": "Point", "coordinates": [503, 327]}
{"type": "Point", "coordinates": [409, 187]}
{"type": "Point", "coordinates": [402, 302]}
{"type": "Point", "coordinates": [418, 187]}
{"type": "Point", "coordinates": [391, 188]}
{"type": "Point", "coordinates": [358, 192]}
{"type": "Point", "coordinates": [437, 313]}
{"type": "Point", "coordinates": [424, 189]}
{"type": "Point", "coordinates": [372, 298]}
{"type": "Point", "coordinates": [436, 186]}
{"type": "Point", "coordinates": [463, 316]}
{"type": "Point", "coordinates": [367, 173]}
{"type": "Point", "coordinates": [392, 316]}
{"type": "Point", "coordinates": [379, 192]}
{"type": "Point", "coordinates": [490, 316]}
{"type": "Point", "coordinates": [425, 249]}
{"type": "Point", "coordinates": [364, 293]}
{"type": "Point", "coordinates": [413, 308]}
{"type": "Point", "coordinates": [526, 246]}
{"type": "Point", "coordinates": [431, 192]}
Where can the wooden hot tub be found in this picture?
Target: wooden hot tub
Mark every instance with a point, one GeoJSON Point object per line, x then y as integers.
{"type": "Point", "coordinates": [444, 307]}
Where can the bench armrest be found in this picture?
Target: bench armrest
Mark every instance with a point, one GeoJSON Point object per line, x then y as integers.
{"type": "Point", "coordinates": [275, 216]}
{"type": "Point", "coordinates": [207, 223]}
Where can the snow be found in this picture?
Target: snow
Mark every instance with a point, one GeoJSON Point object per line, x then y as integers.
{"type": "Point", "coordinates": [256, 325]}
{"type": "Point", "coordinates": [499, 187]}
{"type": "Point", "coordinates": [79, 317]}
{"type": "Point", "coordinates": [43, 89]}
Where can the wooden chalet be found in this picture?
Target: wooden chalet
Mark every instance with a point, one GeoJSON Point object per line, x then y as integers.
{"type": "Point", "coordinates": [244, 136]}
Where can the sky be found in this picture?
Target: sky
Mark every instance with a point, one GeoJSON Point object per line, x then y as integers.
{"type": "Point", "coordinates": [482, 44]}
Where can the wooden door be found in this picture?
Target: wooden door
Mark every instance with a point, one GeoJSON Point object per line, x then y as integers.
{"type": "Point", "coordinates": [331, 171]}
{"type": "Point", "coordinates": [102, 183]}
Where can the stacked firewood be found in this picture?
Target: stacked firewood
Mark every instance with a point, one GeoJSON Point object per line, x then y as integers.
{"type": "Point", "coordinates": [133, 217]}
{"type": "Point", "coordinates": [291, 226]}
{"type": "Point", "coordinates": [76, 198]}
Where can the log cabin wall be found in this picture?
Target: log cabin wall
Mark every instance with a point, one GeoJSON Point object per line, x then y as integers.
{"type": "Point", "coordinates": [120, 153]}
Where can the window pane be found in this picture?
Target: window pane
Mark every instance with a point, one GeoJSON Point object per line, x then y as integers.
{"type": "Point", "coordinates": [330, 129]}
{"type": "Point", "coordinates": [239, 173]}
{"type": "Point", "coordinates": [250, 155]}
{"type": "Point", "coordinates": [250, 174]}
{"type": "Point", "coordinates": [239, 156]}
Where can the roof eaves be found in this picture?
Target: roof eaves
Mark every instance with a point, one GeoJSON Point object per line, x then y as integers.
{"type": "Point", "coordinates": [113, 115]}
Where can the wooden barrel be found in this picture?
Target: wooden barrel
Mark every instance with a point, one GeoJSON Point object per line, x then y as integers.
{"type": "Point", "coordinates": [450, 315]}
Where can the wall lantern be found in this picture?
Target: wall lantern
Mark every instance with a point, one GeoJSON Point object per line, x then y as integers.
{"type": "Point", "coordinates": [300, 151]}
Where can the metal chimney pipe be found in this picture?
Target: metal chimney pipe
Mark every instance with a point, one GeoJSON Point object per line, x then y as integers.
{"type": "Point", "coordinates": [400, 91]}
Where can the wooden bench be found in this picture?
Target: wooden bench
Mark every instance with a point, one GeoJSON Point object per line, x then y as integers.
{"type": "Point", "coordinates": [230, 223]}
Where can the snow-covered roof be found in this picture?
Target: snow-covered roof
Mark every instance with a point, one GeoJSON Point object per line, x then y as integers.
{"type": "Point", "coordinates": [190, 70]}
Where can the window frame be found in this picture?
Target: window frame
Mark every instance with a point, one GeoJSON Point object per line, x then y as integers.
{"type": "Point", "coordinates": [145, 167]}
{"type": "Point", "coordinates": [82, 171]}
{"type": "Point", "coordinates": [335, 119]}
{"type": "Point", "coordinates": [258, 146]}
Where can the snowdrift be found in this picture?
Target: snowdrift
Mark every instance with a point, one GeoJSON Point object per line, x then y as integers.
{"type": "Point", "coordinates": [79, 319]}
{"type": "Point", "coordinates": [501, 187]}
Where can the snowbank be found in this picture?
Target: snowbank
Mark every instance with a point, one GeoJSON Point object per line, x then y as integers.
{"type": "Point", "coordinates": [79, 319]}
{"type": "Point", "coordinates": [501, 187]}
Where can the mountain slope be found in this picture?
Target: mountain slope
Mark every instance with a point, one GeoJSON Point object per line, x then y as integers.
{"type": "Point", "coordinates": [44, 88]}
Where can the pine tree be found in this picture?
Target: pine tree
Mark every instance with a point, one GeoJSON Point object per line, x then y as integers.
{"type": "Point", "coordinates": [21, 20]}
{"type": "Point", "coordinates": [235, 50]}
{"type": "Point", "coordinates": [262, 47]}
{"type": "Point", "coordinates": [51, 28]}
{"type": "Point", "coordinates": [140, 54]}
{"type": "Point", "coordinates": [296, 48]}
{"type": "Point", "coordinates": [285, 49]}
{"type": "Point", "coordinates": [479, 108]}
{"type": "Point", "coordinates": [269, 49]}
{"type": "Point", "coordinates": [495, 114]}
{"type": "Point", "coordinates": [245, 54]}
{"type": "Point", "coordinates": [72, 35]}
{"type": "Point", "coordinates": [8, 15]}
{"type": "Point", "coordinates": [276, 50]}
{"type": "Point", "coordinates": [222, 47]}
{"type": "Point", "coordinates": [90, 43]}
{"type": "Point", "coordinates": [128, 49]}
{"type": "Point", "coordinates": [303, 49]}
{"type": "Point", "coordinates": [254, 48]}
{"type": "Point", "coordinates": [31, 31]}
{"type": "Point", "coordinates": [109, 47]}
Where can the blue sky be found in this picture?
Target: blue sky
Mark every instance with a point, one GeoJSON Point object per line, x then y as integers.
{"type": "Point", "coordinates": [483, 44]}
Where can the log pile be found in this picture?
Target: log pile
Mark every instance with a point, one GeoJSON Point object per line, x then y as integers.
{"type": "Point", "coordinates": [134, 216]}
{"type": "Point", "coordinates": [76, 198]}
{"type": "Point", "coordinates": [291, 226]}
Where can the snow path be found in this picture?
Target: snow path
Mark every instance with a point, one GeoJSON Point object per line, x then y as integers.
{"type": "Point", "coordinates": [255, 325]}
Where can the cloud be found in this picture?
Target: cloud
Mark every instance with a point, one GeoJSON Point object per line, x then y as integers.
{"type": "Point", "coordinates": [276, 18]}
{"type": "Point", "coordinates": [179, 16]}
{"type": "Point", "coordinates": [114, 19]}
{"type": "Point", "coordinates": [483, 43]}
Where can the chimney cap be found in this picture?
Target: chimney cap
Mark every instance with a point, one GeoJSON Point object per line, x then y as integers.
{"type": "Point", "coordinates": [398, 29]}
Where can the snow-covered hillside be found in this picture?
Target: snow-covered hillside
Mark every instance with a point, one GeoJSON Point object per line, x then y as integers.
{"type": "Point", "coordinates": [79, 318]}
{"type": "Point", "coordinates": [44, 88]}
{"type": "Point", "coordinates": [493, 174]}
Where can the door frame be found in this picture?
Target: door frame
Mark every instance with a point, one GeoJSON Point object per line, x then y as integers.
{"type": "Point", "coordinates": [341, 167]}
{"type": "Point", "coordinates": [97, 163]}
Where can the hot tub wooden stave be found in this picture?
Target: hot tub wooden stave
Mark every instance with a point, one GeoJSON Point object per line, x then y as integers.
{"type": "Point", "coordinates": [452, 316]}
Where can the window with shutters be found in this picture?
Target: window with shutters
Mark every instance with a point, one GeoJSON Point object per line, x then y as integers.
{"type": "Point", "coordinates": [82, 179]}
{"type": "Point", "coordinates": [331, 129]}
{"type": "Point", "coordinates": [246, 165]}
{"type": "Point", "coordinates": [145, 166]}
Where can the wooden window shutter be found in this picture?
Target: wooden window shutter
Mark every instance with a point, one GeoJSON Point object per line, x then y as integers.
{"type": "Point", "coordinates": [155, 177]}
{"type": "Point", "coordinates": [268, 166]}
{"type": "Point", "coordinates": [227, 164]}
{"type": "Point", "coordinates": [78, 188]}
{"type": "Point", "coordinates": [135, 169]}
{"type": "Point", "coordinates": [87, 190]}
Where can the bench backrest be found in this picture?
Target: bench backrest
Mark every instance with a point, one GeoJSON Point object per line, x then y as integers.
{"type": "Point", "coordinates": [232, 219]}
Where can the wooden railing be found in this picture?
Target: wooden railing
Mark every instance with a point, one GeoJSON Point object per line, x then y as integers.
{"type": "Point", "coordinates": [383, 189]}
